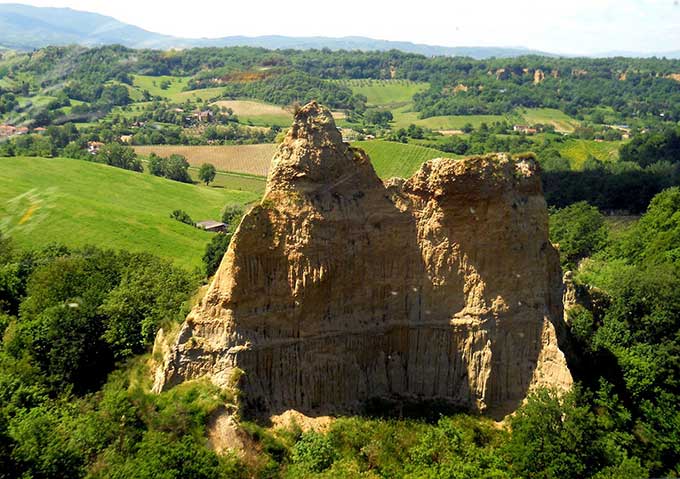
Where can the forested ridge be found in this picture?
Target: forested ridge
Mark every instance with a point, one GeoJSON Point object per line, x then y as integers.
{"type": "Point", "coordinates": [635, 88]}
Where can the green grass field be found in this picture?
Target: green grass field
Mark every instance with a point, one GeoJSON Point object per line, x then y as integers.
{"type": "Point", "coordinates": [234, 181]}
{"type": "Point", "coordinates": [204, 94]}
{"type": "Point", "coordinates": [77, 202]}
{"type": "Point", "coordinates": [549, 116]}
{"type": "Point", "coordinates": [175, 90]}
{"type": "Point", "coordinates": [578, 150]}
{"type": "Point", "coordinates": [385, 92]}
{"type": "Point", "coordinates": [404, 116]}
{"type": "Point", "coordinates": [153, 84]}
{"type": "Point", "coordinates": [34, 101]}
{"type": "Point", "coordinates": [391, 159]}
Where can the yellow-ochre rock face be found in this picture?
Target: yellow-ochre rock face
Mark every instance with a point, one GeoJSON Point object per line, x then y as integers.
{"type": "Point", "coordinates": [339, 288]}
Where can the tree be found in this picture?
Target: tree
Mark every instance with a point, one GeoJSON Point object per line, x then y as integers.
{"type": "Point", "coordinates": [579, 230]}
{"type": "Point", "coordinates": [214, 252]}
{"type": "Point", "coordinates": [560, 436]}
{"type": "Point", "coordinates": [115, 154]}
{"type": "Point", "coordinates": [378, 117]}
{"type": "Point", "coordinates": [176, 168]}
{"type": "Point", "coordinates": [149, 292]}
{"type": "Point", "coordinates": [156, 164]}
{"type": "Point", "coordinates": [467, 128]}
{"type": "Point", "coordinates": [207, 173]}
{"type": "Point", "coordinates": [182, 216]}
{"type": "Point", "coordinates": [231, 216]}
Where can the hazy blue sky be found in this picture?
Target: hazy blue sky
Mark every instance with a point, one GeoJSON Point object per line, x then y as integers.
{"type": "Point", "coordinates": [573, 26]}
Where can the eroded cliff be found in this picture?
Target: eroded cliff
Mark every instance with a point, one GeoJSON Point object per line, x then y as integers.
{"type": "Point", "coordinates": [338, 288]}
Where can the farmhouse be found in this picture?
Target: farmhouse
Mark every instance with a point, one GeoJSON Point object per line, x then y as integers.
{"type": "Point", "coordinates": [524, 129]}
{"type": "Point", "coordinates": [7, 130]}
{"type": "Point", "coordinates": [203, 116]}
{"type": "Point", "coordinates": [212, 226]}
{"type": "Point", "coordinates": [94, 146]}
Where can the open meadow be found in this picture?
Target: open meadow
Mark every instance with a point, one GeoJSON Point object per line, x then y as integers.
{"type": "Point", "coordinates": [76, 202]}
{"type": "Point", "coordinates": [405, 116]}
{"type": "Point", "coordinates": [577, 151]}
{"type": "Point", "coordinates": [562, 122]}
{"type": "Point", "coordinates": [385, 92]}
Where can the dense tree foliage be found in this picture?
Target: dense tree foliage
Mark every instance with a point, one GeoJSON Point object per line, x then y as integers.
{"type": "Point", "coordinates": [617, 186]}
{"type": "Point", "coordinates": [81, 310]}
{"type": "Point", "coordinates": [120, 156]}
{"type": "Point", "coordinates": [174, 167]}
{"type": "Point", "coordinates": [207, 173]}
{"type": "Point", "coordinates": [579, 230]}
{"type": "Point", "coordinates": [291, 87]}
{"type": "Point", "coordinates": [649, 148]}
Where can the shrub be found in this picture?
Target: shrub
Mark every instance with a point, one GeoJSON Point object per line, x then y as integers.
{"type": "Point", "coordinates": [214, 252]}
{"type": "Point", "coordinates": [231, 216]}
{"type": "Point", "coordinates": [314, 452]}
{"type": "Point", "coordinates": [183, 217]}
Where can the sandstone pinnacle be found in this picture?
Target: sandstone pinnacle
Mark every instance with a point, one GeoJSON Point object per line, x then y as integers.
{"type": "Point", "coordinates": [338, 288]}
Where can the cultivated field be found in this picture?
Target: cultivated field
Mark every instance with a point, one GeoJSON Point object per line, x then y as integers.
{"type": "Point", "coordinates": [391, 159]}
{"type": "Point", "coordinates": [78, 202]}
{"type": "Point", "coordinates": [258, 113]}
{"type": "Point", "coordinates": [253, 108]}
{"type": "Point", "coordinates": [248, 159]}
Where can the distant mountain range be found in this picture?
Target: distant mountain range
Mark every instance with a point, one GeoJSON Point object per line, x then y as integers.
{"type": "Point", "coordinates": [24, 27]}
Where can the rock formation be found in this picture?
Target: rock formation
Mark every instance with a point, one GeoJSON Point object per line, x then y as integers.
{"type": "Point", "coordinates": [338, 288]}
{"type": "Point", "coordinates": [539, 76]}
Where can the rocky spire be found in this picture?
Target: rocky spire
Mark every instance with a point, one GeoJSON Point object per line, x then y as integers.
{"type": "Point", "coordinates": [313, 153]}
{"type": "Point", "coordinates": [337, 289]}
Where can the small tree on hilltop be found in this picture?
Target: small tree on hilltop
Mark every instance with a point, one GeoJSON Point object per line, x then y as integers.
{"type": "Point", "coordinates": [207, 173]}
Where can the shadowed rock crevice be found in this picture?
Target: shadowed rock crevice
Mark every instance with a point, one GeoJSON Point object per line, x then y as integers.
{"type": "Point", "coordinates": [338, 289]}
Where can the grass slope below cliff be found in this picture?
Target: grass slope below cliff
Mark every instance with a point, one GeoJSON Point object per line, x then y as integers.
{"type": "Point", "coordinates": [76, 203]}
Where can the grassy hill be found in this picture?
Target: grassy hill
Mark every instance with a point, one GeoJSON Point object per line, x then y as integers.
{"type": "Point", "coordinates": [385, 92]}
{"type": "Point", "coordinates": [577, 150]}
{"type": "Point", "coordinates": [392, 159]}
{"type": "Point", "coordinates": [549, 116]}
{"type": "Point", "coordinates": [77, 202]}
{"type": "Point", "coordinates": [405, 115]}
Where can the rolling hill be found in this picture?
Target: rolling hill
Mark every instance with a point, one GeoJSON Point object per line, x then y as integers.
{"type": "Point", "coordinates": [77, 202]}
{"type": "Point", "coordinates": [26, 27]}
